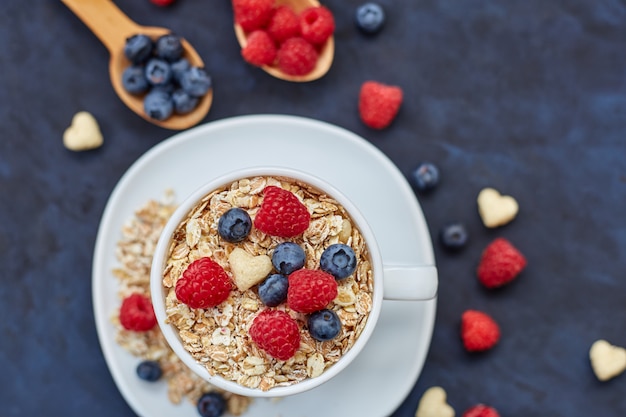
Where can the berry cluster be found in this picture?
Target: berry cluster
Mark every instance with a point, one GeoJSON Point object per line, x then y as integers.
{"type": "Point", "coordinates": [160, 73]}
{"type": "Point", "coordinates": [278, 36]}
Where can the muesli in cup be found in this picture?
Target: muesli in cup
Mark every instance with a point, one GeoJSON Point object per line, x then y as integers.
{"type": "Point", "coordinates": [267, 281]}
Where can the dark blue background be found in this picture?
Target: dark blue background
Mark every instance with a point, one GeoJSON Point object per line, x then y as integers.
{"type": "Point", "coordinates": [527, 96]}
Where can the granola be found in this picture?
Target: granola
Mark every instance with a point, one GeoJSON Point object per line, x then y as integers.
{"type": "Point", "coordinates": [134, 252]}
{"type": "Point", "coordinates": [218, 337]}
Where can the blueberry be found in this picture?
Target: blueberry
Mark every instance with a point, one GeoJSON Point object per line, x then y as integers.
{"type": "Point", "coordinates": [158, 105]}
{"type": "Point", "coordinates": [425, 177]}
{"type": "Point", "coordinates": [454, 236]}
{"type": "Point", "coordinates": [234, 225]}
{"type": "Point", "coordinates": [169, 47]}
{"type": "Point", "coordinates": [158, 72]}
{"type": "Point", "coordinates": [149, 371]}
{"type": "Point", "coordinates": [288, 257]}
{"type": "Point", "coordinates": [178, 67]}
{"type": "Point", "coordinates": [211, 404]}
{"type": "Point", "coordinates": [195, 81]}
{"type": "Point", "coordinates": [324, 325]}
{"type": "Point", "coordinates": [168, 88]}
{"type": "Point", "coordinates": [183, 102]}
{"type": "Point", "coordinates": [134, 80]}
{"type": "Point", "coordinates": [138, 48]}
{"type": "Point", "coordinates": [370, 18]}
{"type": "Point", "coordinates": [338, 260]}
{"type": "Point", "coordinates": [273, 290]}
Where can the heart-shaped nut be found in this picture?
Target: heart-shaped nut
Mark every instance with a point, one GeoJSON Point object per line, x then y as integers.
{"type": "Point", "coordinates": [248, 270]}
{"type": "Point", "coordinates": [83, 134]}
{"type": "Point", "coordinates": [433, 404]}
{"type": "Point", "coordinates": [496, 209]}
{"type": "Point", "coordinates": [607, 360]}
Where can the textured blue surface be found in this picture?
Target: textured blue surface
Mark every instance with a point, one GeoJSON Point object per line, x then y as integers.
{"type": "Point", "coordinates": [527, 96]}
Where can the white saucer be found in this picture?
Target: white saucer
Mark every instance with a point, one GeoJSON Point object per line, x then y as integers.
{"type": "Point", "coordinates": [377, 382]}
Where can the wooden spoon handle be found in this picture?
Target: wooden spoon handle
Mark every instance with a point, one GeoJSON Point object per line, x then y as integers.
{"type": "Point", "coordinates": [105, 20]}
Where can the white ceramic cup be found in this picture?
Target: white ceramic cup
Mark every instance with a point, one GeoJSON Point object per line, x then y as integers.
{"type": "Point", "coordinates": [391, 282]}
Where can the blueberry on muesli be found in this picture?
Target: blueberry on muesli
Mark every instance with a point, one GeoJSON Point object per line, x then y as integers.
{"type": "Point", "coordinates": [149, 371]}
{"type": "Point", "coordinates": [288, 257]}
{"type": "Point", "coordinates": [211, 404]}
{"type": "Point", "coordinates": [324, 325]}
{"type": "Point", "coordinates": [338, 260]}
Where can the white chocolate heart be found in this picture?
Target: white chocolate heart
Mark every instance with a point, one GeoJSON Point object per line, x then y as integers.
{"type": "Point", "coordinates": [83, 134]}
{"type": "Point", "coordinates": [496, 209]}
{"type": "Point", "coordinates": [248, 270]}
{"type": "Point", "coordinates": [433, 404]}
{"type": "Point", "coordinates": [607, 360]}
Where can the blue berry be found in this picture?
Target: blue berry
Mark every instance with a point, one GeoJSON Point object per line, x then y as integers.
{"type": "Point", "coordinates": [234, 225]}
{"type": "Point", "coordinates": [288, 257]}
{"type": "Point", "coordinates": [211, 404]}
{"type": "Point", "coordinates": [158, 72]}
{"type": "Point", "coordinates": [195, 81]}
{"type": "Point", "coordinates": [169, 48]}
{"type": "Point", "coordinates": [425, 177]}
{"type": "Point", "coordinates": [338, 260]}
{"type": "Point", "coordinates": [273, 291]}
{"type": "Point", "coordinates": [134, 80]}
{"type": "Point", "coordinates": [138, 48]}
{"type": "Point", "coordinates": [158, 105]}
{"type": "Point", "coordinates": [183, 102]}
{"type": "Point", "coordinates": [454, 236]}
{"type": "Point", "coordinates": [149, 371]}
{"type": "Point", "coordinates": [178, 67]}
{"type": "Point", "coordinates": [324, 325]}
{"type": "Point", "coordinates": [370, 18]}
{"type": "Point", "coordinates": [168, 88]}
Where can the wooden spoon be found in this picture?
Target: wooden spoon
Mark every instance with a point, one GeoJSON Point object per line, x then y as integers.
{"type": "Point", "coordinates": [326, 55]}
{"type": "Point", "coordinates": [113, 27]}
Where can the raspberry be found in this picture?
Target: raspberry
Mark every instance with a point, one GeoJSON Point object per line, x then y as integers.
{"type": "Point", "coordinates": [310, 290]}
{"type": "Point", "coordinates": [276, 333]}
{"type": "Point", "coordinates": [317, 24]}
{"type": "Point", "coordinates": [137, 314]}
{"type": "Point", "coordinates": [162, 3]}
{"type": "Point", "coordinates": [281, 213]}
{"type": "Point", "coordinates": [379, 104]}
{"type": "Point", "coordinates": [479, 331]}
{"type": "Point", "coordinates": [284, 24]}
{"type": "Point", "coordinates": [297, 56]}
{"type": "Point", "coordinates": [260, 49]}
{"type": "Point", "coordinates": [204, 284]}
{"type": "Point", "coordinates": [500, 263]}
{"type": "Point", "coordinates": [252, 14]}
{"type": "Point", "coordinates": [481, 410]}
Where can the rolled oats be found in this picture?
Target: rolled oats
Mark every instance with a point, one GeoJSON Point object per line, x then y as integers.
{"type": "Point", "coordinates": [229, 351]}
{"type": "Point", "coordinates": [134, 253]}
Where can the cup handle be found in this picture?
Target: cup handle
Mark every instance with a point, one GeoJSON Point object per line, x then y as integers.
{"type": "Point", "coordinates": [410, 282]}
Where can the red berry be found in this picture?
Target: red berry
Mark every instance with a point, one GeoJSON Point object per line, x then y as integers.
{"type": "Point", "coordinates": [162, 3]}
{"type": "Point", "coordinates": [379, 104]}
{"type": "Point", "coordinates": [276, 333]}
{"type": "Point", "coordinates": [281, 213]}
{"type": "Point", "coordinates": [284, 24]}
{"type": "Point", "coordinates": [260, 49]}
{"type": "Point", "coordinates": [137, 314]}
{"type": "Point", "coordinates": [297, 56]}
{"type": "Point", "coordinates": [479, 331]}
{"type": "Point", "coordinates": [252, 14]}
{"type": "Point", "coordinates": [310, 290]}
{"type": "Point", "coordinates": [317, 24]}
{"type": "Point", "coordinates": [500, 263]}
{"type": "Point", "coordinates": [204, 284]}
{"type": "Point", "coordinates": [481, 410]}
